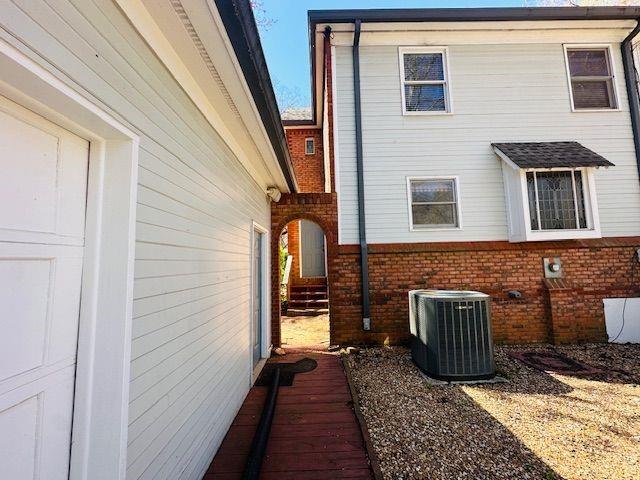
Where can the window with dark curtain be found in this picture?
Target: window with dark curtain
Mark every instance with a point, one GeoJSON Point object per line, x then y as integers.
{"type": "Point", "coordinates": [592, 83]}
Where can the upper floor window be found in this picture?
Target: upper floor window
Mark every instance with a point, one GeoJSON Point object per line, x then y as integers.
{"type": "Point", "coordinates": [433, 203]}
{"type": "Point", "coordinates": [309, 146]}
{"type": "Point", "coordinates": [424, 79]}
{"type": "Point", "coordinates": [592, 78]}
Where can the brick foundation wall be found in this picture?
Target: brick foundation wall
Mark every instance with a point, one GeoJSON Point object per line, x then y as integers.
{"type": "Point", "coordinates": [309, 169]}
{"type": "Point", "coordinates": [566, 313]}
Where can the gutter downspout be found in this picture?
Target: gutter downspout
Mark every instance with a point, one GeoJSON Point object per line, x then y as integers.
{"type": "Point", "coordinates": [364, 255]}
{"type": "Point", "coordinates": [632, 89]}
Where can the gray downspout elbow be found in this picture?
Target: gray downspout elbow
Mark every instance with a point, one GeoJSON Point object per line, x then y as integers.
{"type": "Point", "coordinates": [364, 256]}
{"type": "Point", "coordinates": [632, 89]}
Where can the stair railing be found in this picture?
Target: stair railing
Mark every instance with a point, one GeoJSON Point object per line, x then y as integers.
{"type": "Point", "coordinates": [285, 285]}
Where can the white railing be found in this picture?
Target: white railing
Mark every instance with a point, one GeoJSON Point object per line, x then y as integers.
{"type": "Point", "coordinates": [284, 283]}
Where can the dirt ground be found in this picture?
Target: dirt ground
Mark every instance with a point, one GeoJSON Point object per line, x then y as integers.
{"type": "Point", "coordinates": [536, 426]}
{"type": "Point", "coordinates": [303, 331]}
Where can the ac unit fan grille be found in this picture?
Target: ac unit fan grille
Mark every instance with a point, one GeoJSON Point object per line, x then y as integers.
{"type": "Point", "coordinates": [452, 337]}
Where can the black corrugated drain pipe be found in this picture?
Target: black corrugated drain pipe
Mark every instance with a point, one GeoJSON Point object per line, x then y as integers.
{"type": "Point", "coordinates": [261, 437]}
{"type": "Point", "coordinates": [364, 254]}
{"type": "Point", "coordinates": [632, 89]}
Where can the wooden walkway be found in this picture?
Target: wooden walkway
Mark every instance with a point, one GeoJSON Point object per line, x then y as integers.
{"type": "Point", "coordinates": [315, 434]}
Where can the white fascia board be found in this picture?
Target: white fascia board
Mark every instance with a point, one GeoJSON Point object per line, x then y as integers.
{"type": "Point", "coordinates": [505, 158]}
{"type": "Point", "coordinates": [478, 33]}
{"type": "Point", "coordinates": [488, 25]}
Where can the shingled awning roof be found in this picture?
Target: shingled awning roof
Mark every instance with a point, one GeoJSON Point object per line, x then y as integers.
{"type": "Point", "coordinates": [550, 155]}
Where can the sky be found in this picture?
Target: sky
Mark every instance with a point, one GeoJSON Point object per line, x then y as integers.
{"type": "Point", "coordinates": [286, 44]}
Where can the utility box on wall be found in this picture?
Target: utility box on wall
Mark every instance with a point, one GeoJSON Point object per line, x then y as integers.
{"type": "Point", "coordinates": [552, 267]}
{"type": "Point", "coordinates": [622, 318]}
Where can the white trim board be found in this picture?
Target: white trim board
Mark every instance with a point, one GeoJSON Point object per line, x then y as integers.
{"type": "Point", "coordinates": [435, 228]}
{"type": "Point", "coordinates": [100, 421]}
{"type": "Point", "coordinates": [446, 82]}
{"type": "Point", "coordinates": [265, 323]}
{"type": "Point", "coordinates": [612, 67]}
{"type": "Point", "coordinates": [336, 143]}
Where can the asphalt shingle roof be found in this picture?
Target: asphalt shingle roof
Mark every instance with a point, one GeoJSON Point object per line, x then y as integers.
{"type": "Point", "coordinates": [551, 154]}
{"type": "Point", "coordinates": [297, 114]}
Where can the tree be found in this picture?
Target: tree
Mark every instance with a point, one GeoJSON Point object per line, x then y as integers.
{"type": "Point", "coordinates": [287, 97]}
{"type": "Point", "coordinates": [580, 3]}
{"type": "Point", "coordinates": [263, 21]}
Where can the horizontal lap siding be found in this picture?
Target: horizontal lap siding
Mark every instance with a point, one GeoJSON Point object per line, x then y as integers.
{"type": "Point", "coordinates": [500, 93]}
{"type": "Point", "coordinates": [190, 350]}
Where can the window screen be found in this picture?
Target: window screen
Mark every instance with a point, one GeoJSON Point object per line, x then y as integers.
{"type": "Point", "coordinates": [434, 203]}
{"type": "Point", "coordinates": [592, 83]}
{"type": "Point", "coordinates": [556, 200]}
{"type": "Point", "coordinates": [424, 82]}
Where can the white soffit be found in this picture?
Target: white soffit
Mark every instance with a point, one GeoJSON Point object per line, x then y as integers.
{"type": "Point", "coordinates": [214, 86]}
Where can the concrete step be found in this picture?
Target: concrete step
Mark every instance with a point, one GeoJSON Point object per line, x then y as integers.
{"type": "Point", "coordinates": [308, 295]}
{"type": "Point", "coordinates": [316, 303]}
{"type": "Point", "coordinates": [306, 312]}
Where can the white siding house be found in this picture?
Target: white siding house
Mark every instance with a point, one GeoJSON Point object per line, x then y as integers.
{"type": "Point", "coordinates": [507, 82]}
{"type": "Point", "coordinates": [177, 160]}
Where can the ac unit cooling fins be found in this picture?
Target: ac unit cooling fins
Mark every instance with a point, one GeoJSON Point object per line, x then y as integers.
{"type": "Point", "coordinates": [451, 334]}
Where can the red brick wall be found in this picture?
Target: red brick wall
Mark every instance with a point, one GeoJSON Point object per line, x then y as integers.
{"type": "Point", "coordinates": [293, 229]}
{"type": "Point", "coordinates": [320, 208]}
{"type": "Point", "coordinates": [574, 313]}
{"type": "Point", "coordinates": [309, 169]}
{"type": "Point", "coordinates": [562, 312]}
{"type": "Point", "coordinates": [567, 311]}
{"type": "Point", "coordinates": [329, 93]}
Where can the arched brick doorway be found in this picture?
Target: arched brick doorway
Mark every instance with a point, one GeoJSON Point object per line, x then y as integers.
{"type": "Point", "coordinates": [319, 208]}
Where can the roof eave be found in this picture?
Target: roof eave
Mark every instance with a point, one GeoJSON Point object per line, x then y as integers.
{"type": "Point", "coordinates": [317, 17]}
{"type": "Point", "coordinates": [473, 14]}
{"type": "Point", "coordinates": [242, 31]}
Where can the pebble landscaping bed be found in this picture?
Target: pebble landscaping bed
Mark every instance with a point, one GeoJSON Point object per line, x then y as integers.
{"type": "Point", "coordinates": [535, 426]}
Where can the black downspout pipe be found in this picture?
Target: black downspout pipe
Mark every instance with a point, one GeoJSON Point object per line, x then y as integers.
{"type": "Point", "coordinates": [260, 439]}
{"type": "Point", "coordinates": [364, 255]}
{"type": "Point", "coordinates": [632, 89]}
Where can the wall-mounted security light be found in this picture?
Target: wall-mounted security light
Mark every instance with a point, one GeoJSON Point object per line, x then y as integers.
{"type": "Point", "coordinates": [274, 194]}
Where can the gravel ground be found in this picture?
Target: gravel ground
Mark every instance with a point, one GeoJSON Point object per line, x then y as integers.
{"type": "Point", "coordinates": [302, 331]}
{"type": "Point", "coordinates": [536, 426]}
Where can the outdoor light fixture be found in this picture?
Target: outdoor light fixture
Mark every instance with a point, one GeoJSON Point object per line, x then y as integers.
{"type": "Point", "coordinates": [274, 194]}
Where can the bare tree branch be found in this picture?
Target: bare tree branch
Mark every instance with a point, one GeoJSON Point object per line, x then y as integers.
{"type": "Point", "coordinates": [264, 21]}
{"type": "Point", "coordinates": [580, 3]}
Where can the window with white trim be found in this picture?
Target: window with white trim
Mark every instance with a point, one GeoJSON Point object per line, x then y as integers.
{"type": "Point", "coordinates": [309, 146]}
{"type": "Point", "coordinates": [592, 78]}
{"type": "Point", "coordinates": [425, 86]}
{"type": "Point", "coordinates": [433, 203]}
{"type": "Point", "coordinates": [556, 200]}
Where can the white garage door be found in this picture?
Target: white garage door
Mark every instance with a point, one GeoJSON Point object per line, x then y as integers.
{"type": "Point", "coordinates": [43, 187]}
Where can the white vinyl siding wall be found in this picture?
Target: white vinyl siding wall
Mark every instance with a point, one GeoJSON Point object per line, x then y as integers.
{"type": "Point", "coordinates": [190, 366]}
{"type": "Point", "coordinates": [503, 93]}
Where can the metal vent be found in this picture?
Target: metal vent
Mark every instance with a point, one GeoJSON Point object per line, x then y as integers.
{"type": "Point", "coordinates": [451, 334]}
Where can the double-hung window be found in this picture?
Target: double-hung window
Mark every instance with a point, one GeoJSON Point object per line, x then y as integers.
{"type": "Point", "coordinates": [433, 203]}
{"type": "Point", "coordinates": [424, 80]}
{"type": "Point", "coordinates": [591, 77]}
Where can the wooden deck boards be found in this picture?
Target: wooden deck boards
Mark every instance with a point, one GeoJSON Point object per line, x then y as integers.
{"type": "Point", "coordinates": [315, 434]}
